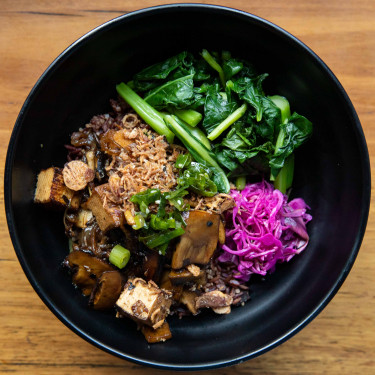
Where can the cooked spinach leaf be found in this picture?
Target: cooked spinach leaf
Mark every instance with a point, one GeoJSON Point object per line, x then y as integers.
{"type": "Point", "coordinates": [157, 74]}
{"type": "Point", "coordinates": [177, 93]}
{"type": "Point", "coordinates": [217, 108]}
{"type": "Point", "coordinates": [250, 90]}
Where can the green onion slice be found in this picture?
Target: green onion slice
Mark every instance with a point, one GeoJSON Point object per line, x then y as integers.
{"type": "Point", "coordinates": [119, 256]}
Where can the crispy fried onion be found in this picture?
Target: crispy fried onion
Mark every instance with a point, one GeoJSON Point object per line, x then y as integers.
{"type": "Point", "coordinates": [148, 161]}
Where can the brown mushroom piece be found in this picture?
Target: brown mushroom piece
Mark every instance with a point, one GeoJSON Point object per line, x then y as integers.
{"type": "Point", "coordinates": [106, 291]}
{"type": "Point", "coordinates": [151, 266]}
{"type": "Point", "coordinates": [188, 298]}
{"type": "Point", "coordinates": [165, 283]}
{"type": "Point", "coordinates": [77, 175]}
{"type": "Point", "coordinates": [86, 269]}
{"type": "Point", "coordinates": [183, 276]}
{"type": "Point", "coordinates": [199, 241]}
{"type": "Point", "coordinates": [218, 301]}
{"type": "Point", "coordinates": [160, 334]}
{"type": "Point", "coordinates": [221, 233]}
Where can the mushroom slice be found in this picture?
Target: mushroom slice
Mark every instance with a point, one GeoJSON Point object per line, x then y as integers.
{"type": "Point", "coordinates": [165, 283]}
{"type": "Point", "coordinates": [188, 298]}
{"type": "Point", "coordinates": [106, 291]}
{"type": "Point", "coordinates": [151, 266]}
{"type": "Point", "coordinates": [183, 276]}
{"type": "Point", "coordinates": [77, 175]}
{"type": "Point", "coordinates": [214, 299]}
{"type": "Point", "coordinates": [199, 241]}
{"type": "Point", "coordinates": [86, 269]}
{"type": "Point", "coordinates": [221, 233]}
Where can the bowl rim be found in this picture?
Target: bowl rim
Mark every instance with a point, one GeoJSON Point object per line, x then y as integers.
{"type": "Point", "coordinates": [365, 204]}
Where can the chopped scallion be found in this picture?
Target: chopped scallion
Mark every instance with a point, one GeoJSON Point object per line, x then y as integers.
{"type": "Point", "coordinates": [139, 222]}
{"type": "Point", "coordinates": [119, 256]}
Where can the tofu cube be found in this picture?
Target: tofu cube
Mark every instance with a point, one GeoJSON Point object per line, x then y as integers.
{"type": "Point", "coordinates": [144, 302]}
{"type": "Point", "coordinates": [107, 217]}
{"type": "Point", "coordinates": [50, 188]}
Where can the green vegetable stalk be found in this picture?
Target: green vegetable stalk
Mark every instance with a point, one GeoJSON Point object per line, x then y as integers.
{"type": "Point", "coordinates": [284, 179]}
{"type": "Point", "coordinates": [231, 119]}
{"type": "Point", "coordinates": [214, 65]}
{"type": "Point", "coordinates": [190, 116]}
{"type": "Point", "coordinates": [283, 104]}
{"type": "Point", "coordinates": [145, 111]}
{"type": "Point", "coordinates": [240, 182]}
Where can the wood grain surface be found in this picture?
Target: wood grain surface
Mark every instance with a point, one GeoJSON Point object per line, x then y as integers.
{"type": "Point", "coordinates": [341, 340]}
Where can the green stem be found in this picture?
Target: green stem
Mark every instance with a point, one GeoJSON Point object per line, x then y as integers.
{"type": "Point", "coordinates": [231, 119]}
{"type": "Point", "coordinates": [240, 182]}
{"type": "Point", "coordinates": [283, 104]}
{"type": "Point", "coordinates": [190, 116]}
{"type": "Point", "coordinates": [214, 65]}
{"type": "Point", "coordinates": [284, 179]}
{"type": "Point", "coordinates": [149, 114]}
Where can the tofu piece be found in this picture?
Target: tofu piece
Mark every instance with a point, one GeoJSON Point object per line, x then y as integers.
{"type": "Point", "coordinates": [144, 302]}
{"type": "Point", "coordinates": [50, 188]}
{"type": "Point", "coordinates": [160, 334]}
{"type": "Point", "coordinates": [108, 217]}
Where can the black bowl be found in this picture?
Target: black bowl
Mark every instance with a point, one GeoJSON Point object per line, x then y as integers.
{"type": "Point", "coordinates": [332, 175]}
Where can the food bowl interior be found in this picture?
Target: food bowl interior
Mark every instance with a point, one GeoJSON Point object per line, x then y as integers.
{"type": "Point", "coordinates": [331, 175]}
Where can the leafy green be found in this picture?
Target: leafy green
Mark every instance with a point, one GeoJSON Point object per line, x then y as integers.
{"type": "Point", "coordinates": [223, 96]}
{"type": "Point", "coordinates": [231, 119]}
{"type": "Point", "coordinates": [217, 108]}
{"type": "Point", "coordinates": [177, 93]}
{"type": "Point", "coordinates": [269, 127]}
{"type": "Point", "coordinates": [284, 179]}
{"type": "Point", "coordinates": [155, 75]}
{"type": "Point", "coordinates": [231, 67]}
{"type": "Point", "coordinates": [250, 90]}
{"type": "Point", "coordinates": [241, 144]}
{"type": "Point", "coordinates": [297, 130]}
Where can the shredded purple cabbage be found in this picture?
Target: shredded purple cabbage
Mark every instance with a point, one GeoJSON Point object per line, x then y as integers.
{"type": "Point", "coordinates": [263, 229]}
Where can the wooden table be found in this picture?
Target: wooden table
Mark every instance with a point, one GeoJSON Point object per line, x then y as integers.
{"type": "Point", "coordinates": [340, 341]}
